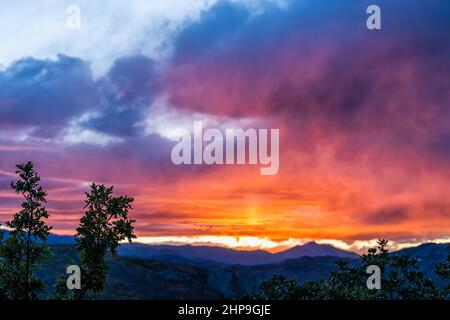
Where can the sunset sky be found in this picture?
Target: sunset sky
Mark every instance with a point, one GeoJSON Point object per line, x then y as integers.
{"type": "Point", "coordinates": [364, 116]}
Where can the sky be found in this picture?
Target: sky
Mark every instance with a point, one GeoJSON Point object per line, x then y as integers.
{"type": "Point", "coordinates": [364, 116]}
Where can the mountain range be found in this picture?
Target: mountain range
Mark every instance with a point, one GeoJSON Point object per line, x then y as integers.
{"type": "Point", "coordinates": [143, 271]}
{"type": "Point", "coordinates": [230, 256]}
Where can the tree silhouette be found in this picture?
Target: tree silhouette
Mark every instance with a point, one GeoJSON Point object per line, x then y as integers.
{"type": "Point", "coordinates": [442, 269]}
{"type": "Point", "coordinates": [103, 226]}
{"type": "Point", "coordinates": [401, 280]}
{"type": "Point", "coordinates": [22, 252]}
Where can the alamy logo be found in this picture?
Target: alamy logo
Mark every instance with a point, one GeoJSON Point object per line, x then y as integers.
{"type": "Point", "coordinates": [374, 280]}
{"type": "Point", "coordinates": [74, 278]}
{"type": "Point", "coordinates": [374, 20]}
{"type": "Point", "coordinates": [209, 147]}
{"type": "Point", "coordinates": [74, 17]}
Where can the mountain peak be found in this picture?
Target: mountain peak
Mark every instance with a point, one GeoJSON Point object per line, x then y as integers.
{"type": "Point", "coordinates": [311, 244]}
{"type": "Point", "coordinates": [314, 249]}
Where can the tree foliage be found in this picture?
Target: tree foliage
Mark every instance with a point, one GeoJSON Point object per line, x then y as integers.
{"type": "Point", "coordinates": [443, 270]}
{"type": "Point", "coordinates": [23, 251]}
{"type": "Point", "coordinates": [103, 226]}
{"type": "Point", "coordinates": [401, 280]}
{"type": "Point", "coordinates": [24, 248]}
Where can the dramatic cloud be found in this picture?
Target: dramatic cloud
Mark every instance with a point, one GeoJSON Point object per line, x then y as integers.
{"type": "Point", "coordinates": [45, 94]}
{"type": "Point", "coordinates": [127, 91]}
{"type": "Point", "coordinates": [363, 118]}
{"type": "Point", "coordinates": [43, 97]}
{"type": "Point", "coordinates": [363, 114]}
{"type": "Point", "coordinates": [109, 29]}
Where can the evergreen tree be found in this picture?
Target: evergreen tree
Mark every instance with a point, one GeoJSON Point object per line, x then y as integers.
{"type": "Point", "coordinates": [22, 252]}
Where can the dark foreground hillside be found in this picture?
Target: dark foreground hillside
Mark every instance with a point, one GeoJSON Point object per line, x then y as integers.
{"type": "Point", "coordinates": [131, 278]}
{"type": "Point", "coordinates": [136, 278]}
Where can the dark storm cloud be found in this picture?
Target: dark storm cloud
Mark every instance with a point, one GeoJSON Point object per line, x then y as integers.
{"type": "Point", "coordinates": [45, 94]}
{"type": "Point", "coordinates": [127, 91]}
{"type": "Point", "coordinates": [307, 58]}
{"type": "Point", "coordinates": [218, 25]}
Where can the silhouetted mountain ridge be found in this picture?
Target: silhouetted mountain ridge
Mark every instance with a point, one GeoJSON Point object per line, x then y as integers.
{"type": "Point", "coordinates": [232, 256]}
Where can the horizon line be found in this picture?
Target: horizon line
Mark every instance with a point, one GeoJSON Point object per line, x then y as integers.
{"type": "Point", "coordinates": [251, 243]}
